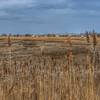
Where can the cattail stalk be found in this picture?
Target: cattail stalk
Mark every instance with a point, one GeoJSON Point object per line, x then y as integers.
{"type": "Point", "coordinates": [9, 41]}
{"type": "Point", "coordinates": [94, 40]}
{"type": "Point", "coordinates": [87, 37]}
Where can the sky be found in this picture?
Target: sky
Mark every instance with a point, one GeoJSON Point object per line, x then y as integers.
{"type": "Point", "coordinates": [49, 16]}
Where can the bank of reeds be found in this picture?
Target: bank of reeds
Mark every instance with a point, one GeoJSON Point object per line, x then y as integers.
{"type": "Point", "coordinates": [49, 78]}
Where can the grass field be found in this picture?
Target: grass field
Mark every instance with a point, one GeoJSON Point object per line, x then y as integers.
{"type": "Point", "coordinates": [49, 68]}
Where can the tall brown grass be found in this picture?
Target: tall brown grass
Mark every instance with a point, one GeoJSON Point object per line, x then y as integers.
{"type": "Point", "coordinates": [48, 78]}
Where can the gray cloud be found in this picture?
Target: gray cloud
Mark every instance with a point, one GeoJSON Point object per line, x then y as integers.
{"type": "Point", "coordinates": [54, 15]}
{"type": "Point", "coordinates": [15, 3]}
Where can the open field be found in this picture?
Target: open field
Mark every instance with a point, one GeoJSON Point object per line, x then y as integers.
{"type": "Point", "coordinates": [49, 68]}
{"type": "Point", "coordinates": [83, 38]}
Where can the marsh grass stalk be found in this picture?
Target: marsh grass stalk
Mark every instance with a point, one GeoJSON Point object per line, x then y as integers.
{"type": "Point", "coordinates": [69, 40]}
{"type": "Point", "coordinates": [94, 40]}
{"type": "Point", "coordinates": [90, 94]}
{"type": "Point", "coordinates": [69, 60]}
{"type": "Point", "coordinates": [94, 48]}
{"type": "Point", "coordinates": [9, 40]}
{"type": "Point", "coordinates": [87, 37]}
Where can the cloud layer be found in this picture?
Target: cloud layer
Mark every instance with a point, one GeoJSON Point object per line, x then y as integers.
{"type": "Point", "coordinates": [48, 15]}
{"type": "Point", "coordinates": [15, 3]}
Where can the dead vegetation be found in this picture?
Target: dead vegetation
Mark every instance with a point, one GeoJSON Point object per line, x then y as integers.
{"type": "Point", "coordinates": [73, 75]}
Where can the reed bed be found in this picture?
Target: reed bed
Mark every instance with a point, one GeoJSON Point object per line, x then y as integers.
{"type": "Point", "coordinates": [48, 78]}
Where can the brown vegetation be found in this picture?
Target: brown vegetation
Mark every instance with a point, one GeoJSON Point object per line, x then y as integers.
{"type": "Point", "coordinates": [73, 75]}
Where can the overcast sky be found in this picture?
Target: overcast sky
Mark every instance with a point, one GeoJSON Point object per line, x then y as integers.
{"type": "Point", "coordinates": [43, 16]}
